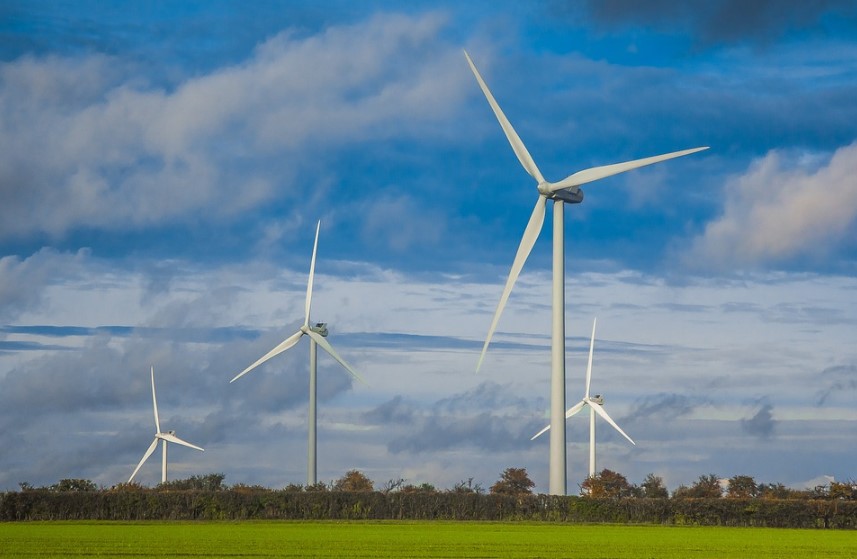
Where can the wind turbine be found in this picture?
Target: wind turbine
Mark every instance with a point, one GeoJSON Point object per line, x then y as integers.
{"type": "Point", "coordinates": [595, 404]}
{"type": "Point", "coordinates": [164, 437]}
{"type": "Point", "coordinates": [565, 190]}
{"type": "Point", "coordinates": [316, 335]}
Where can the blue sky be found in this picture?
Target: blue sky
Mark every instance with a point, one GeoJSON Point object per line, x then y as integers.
{"type": "Point", "coordinates": [162, 170]}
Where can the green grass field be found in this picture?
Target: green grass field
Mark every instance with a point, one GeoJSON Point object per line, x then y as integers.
{"type": "Point", "coordinates": [411, 539]}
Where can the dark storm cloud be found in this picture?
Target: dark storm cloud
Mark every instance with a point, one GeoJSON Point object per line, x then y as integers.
{"type": "Point", "coordinates": [488, 395]}
{"type": "Point", "coordinates": [762, 423]}
{"type": "Point", "coordinates": [488, 417]}
{"type": "Point", "coordinates": [723, 21]}
{"type": "Point", "coordinates": [63, 383]}
{"type": "Point", "coordinates": [395, 410]}
{"type": "Point", "coordinates": [662, 407]}
{"type": "Point", "coordinates": [836, 380]}
{"type": "Point", "coordinates": [484, 431]}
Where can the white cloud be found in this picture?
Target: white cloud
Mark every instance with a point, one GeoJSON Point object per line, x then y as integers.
{"type": "Point", "coordinates": [23, 283]}
{"type": "Point", "coordinates": [781, 209]}
{"type": "Point", "coordinates": [81, 147]}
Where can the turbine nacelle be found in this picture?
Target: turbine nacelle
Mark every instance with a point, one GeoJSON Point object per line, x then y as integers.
{"type": "Point", "coordinates": [568, 196]}
{"type": "Point", "coordinates": [320, 328]}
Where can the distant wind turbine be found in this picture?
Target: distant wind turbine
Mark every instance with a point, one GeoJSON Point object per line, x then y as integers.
{"type": "Point", "coordinates": [164, 437]}
{"type": "Point", "coordinates": [316, 334]}
{"type": "Point", "coordinates": [566, 190]}
{"type": "Point", "coordinates": [595, 404]}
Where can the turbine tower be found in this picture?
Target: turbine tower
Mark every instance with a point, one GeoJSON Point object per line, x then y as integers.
{"type": "Point", "coordinates": [596, 406]}
{"type": "Point", "coordinates": [565, 190]}
{"type": "Point", "coordinates": [317, 335]}
{"type": "Point", "coordinates": [164, 437]}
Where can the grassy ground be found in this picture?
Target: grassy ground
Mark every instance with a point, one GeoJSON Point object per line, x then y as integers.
{"type": "Point", "coordinates": [411, 539]}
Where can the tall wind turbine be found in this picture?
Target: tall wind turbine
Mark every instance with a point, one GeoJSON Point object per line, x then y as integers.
{"type": "Point", "coordinates": [164, 437]}
{"type": "Point", "coordinates": [316, 335]}
{"type": "Point", "coordinates": [595, 404]}
{"type": "Point", "coordinates": [566, 190]}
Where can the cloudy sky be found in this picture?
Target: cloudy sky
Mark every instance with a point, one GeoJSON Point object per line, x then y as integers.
{"type": "Point", "coordinates": [162, 170]}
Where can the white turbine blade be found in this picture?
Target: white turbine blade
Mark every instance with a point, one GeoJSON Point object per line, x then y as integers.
{"type": "Point", "coordinates": [570, 412]}
{"type": "Point", "coordinates": [600, 411]}
{"type": "Point", "coordinates": [589, 364]}
{"type": "Point", "coordinates": [311, 274]}
{"type": "Point", "coordinates": [174, 439]}
{"type": "Point", "coordinates": [155, 403]}
{"type": "Point", "coordinates": [319, 339]}
{"type": "Point", "coordinates": [531, 233]}
{"type": "Point", "coordinates": [149, 452]}
{"type": "Point", "coordinates": [596, 173]}
{"type": "Point", "coordinates": [517, 145]}
{"type": "Point", "coordinates": [573, 410]}
{"type": "Point", "coordinates": [534, 437]}
{"type": "Point", "coordinates": [284, 345]}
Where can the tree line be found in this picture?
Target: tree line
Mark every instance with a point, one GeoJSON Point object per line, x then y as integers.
{"type": "Point", "coordinates": [605, 497]}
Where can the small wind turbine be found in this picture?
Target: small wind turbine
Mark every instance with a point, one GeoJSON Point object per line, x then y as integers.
{"type": "Point", "coordinates": [596, 406]}
{"type": "Point", "coordinates": [164, 437]}
{"type": "Point", "coordinates": [316, 335]}
{"type": "Point", "coordinates": [566, 190]}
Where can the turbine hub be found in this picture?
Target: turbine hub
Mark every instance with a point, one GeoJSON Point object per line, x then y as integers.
{"type": "Point", "coordinates": [320, 328]}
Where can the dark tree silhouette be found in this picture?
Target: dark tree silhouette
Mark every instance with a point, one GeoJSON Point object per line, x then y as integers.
{"type": "Point", "coordinates": [513, 481]}
{"type": "Point", "coordinates": [742, 487]}
{"type": "Point", "coordinates": [607, 484]}
{"type": "Point", "coordinates": [653, 487]}
{"type": "Point", "coordinates": [706, 487]}
{"type": "Point", "coordinates": [353, 480]}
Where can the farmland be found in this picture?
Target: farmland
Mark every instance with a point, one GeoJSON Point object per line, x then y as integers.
{"type": "Point", "coordinates": [411, 539]}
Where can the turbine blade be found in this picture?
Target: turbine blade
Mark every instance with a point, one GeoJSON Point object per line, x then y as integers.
{"type": "Point", "coordinates": [517, 145]}
{"type": "Point", "coordinates": [570, 412]}
{"type": "Point", "coordinates": [311, 274]}
{"type": "Point", "coordinates": [596, 173]}
{"type": "Point", "coordinates": [531, 233]}
{"type": "Point", "coordinates": [600, 411]}
{"type": "Point", "coordinates": [573, 410]}
{"type": "Point", "coordinates": [589, 364]}
{"type": "Point", "coordinates": [149, 452]}
{"type": "Point", "coordinates": [284, 345]}
{"type": "Point", "coordinates": [155, 403]}
{"type": "Point", "coordinates": [319, 339]}
{"type": "Point", "coordinates": [175, 439]}
{"type": "Point", "coordinates": [544, 429]}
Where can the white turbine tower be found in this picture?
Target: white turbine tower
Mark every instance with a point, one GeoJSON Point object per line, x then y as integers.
{"type": "Point", "coordinates": [596, 406]}
{"type": "Point", "coordinates": [164, 437]}
{"type": "Point", "coordinates": [566, 190]}
{"type": "Point", "coordinates": [316, 335]}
